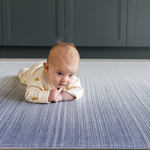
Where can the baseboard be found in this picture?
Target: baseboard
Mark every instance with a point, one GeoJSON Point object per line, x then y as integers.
{"type": "Point", "coordinates": [85, 52]}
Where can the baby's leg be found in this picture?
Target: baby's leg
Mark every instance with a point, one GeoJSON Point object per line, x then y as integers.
{"type": "Point", "coordinates": [23, 75]}
{"type": "Point", "coordinates": [26, 73]}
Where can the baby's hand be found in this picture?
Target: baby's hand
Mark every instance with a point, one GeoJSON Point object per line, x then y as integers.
{"type": "Point", "coordinates": [54, 96]}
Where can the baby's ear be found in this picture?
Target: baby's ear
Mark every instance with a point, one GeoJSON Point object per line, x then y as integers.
{"type": "Point", "coordinates": [46, 67]}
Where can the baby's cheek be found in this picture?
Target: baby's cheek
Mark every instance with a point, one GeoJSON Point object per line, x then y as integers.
{"type": "Point", "coordinates": [69, 82]}
{"type": "Point", "coordinates": [56, 80]}
{"type": "Point", "coordinates": [52, 79]}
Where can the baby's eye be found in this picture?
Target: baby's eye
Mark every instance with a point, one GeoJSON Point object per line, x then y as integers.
{"type": "Point", "coordinates": [70, 75]}
{"type": "Point", "coordinates": [59, 73]}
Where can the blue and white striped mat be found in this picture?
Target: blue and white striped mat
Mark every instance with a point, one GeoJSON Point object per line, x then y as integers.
{"type": "Point", "coordinates": [113, 113]}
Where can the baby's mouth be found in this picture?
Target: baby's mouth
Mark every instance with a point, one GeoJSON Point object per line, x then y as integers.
{"type": "Point", "coordinates": [62, 84]}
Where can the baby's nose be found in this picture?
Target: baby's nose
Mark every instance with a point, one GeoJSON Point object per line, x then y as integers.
{"type": "Point", "coordinates": [64, 79]}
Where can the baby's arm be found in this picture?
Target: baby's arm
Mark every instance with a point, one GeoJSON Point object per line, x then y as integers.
{"type": "Point", "coordinates": [54, 96]}
{"type": "Point", "coordinates": [35, 94]}
{"type": "Point", "coordinates": [66, 96]}
{"type": "Point", "coordinates": [74, 91]}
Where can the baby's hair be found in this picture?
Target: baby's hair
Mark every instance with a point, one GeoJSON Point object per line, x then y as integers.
{"type": "Point", "coordinates": [60, 43]}
{"type": "Point", "coordinates": [66, 46]}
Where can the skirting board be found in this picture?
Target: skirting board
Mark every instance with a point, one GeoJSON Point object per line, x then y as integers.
{"type": "Point", "coordinates": [85, 52]}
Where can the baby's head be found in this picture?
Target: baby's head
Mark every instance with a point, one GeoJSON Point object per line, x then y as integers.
{"type": "Point", "coordinates": [62, 64]}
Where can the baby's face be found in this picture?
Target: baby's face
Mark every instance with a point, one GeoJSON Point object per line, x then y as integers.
{"type": "Point", "coordinates": [62, 74]}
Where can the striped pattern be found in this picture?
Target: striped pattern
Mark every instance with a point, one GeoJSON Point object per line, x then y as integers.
{"type": "Point", "coordinates": [113, 113]}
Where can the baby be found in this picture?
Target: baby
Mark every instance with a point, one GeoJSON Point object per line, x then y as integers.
{"type": "Point", "coordinates": [54, 80]}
